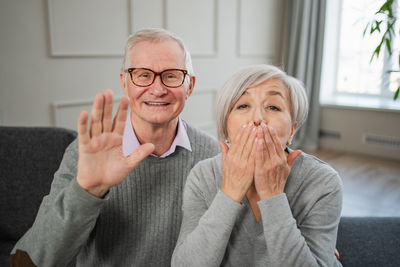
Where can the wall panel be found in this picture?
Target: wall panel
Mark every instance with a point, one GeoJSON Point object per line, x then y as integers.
{"type": "Point", "coordinates": [149, 13]}
{"type": "Point", "coordinates": [259, 25]}
{"type": "Point", "coordinates": [87, 28]}
{"type": "Point", "coordinates": [195, 22]}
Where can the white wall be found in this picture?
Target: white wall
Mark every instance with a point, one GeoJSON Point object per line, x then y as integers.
{"type": "Point", "coordinates": [46, 63]}
{"type": "Point", "coordinates": [346, 127]}
{"type": "Point", "coordinates": [32, 79]}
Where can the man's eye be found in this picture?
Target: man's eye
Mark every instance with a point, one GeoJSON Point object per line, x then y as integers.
{"type": "Point", "coordinates": [171, 76]}
{"type": "Point", "coordinates": [144, 75]}
{"type": "Point", "coordinates": [242, 106]}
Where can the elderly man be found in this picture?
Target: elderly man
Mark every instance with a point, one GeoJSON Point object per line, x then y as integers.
{"type": "Point", "coordinates": [111, 204]}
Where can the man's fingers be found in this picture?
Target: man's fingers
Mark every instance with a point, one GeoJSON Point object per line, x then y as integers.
{"type": "Point", "coordinates": [140, 154]}
{"type": "Point", "coordinates": [108, 109]}
{"type": "Point", "coordinates": [96, 115]}
{"type": "Point", "coordinates": [83, 134]}
{"type": "Point", "coordinates": [120, 117]}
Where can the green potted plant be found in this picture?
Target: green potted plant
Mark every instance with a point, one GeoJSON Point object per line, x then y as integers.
{"type": "Point", "coordinates": [383, 24]}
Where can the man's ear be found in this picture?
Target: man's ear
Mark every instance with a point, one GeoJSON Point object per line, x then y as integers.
{"type": "Point", "coordinates": [191, 86]}
{"type": "Point", "coordinates": [122, 80]}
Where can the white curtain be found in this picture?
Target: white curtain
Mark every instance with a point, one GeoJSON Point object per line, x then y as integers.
{"type": "Point", "coordinates": [303, 60]}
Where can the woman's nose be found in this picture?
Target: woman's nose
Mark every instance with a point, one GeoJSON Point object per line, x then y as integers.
{"type": "Point", "coordinates": [257, 122]}
{"type": "Point", "coordinates": [257, 117]}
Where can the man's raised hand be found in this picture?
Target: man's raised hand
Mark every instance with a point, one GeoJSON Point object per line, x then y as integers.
{"type": "Point", "coordinates": [101, 163]}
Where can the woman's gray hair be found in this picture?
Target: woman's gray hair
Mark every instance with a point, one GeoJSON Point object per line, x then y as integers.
{"type": "Point", "coordinates": [251, 76]}
{"type": "Point", "coordinates": [156, 35]}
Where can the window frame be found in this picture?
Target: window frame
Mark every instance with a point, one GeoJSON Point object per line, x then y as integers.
{"type": "Point", "coordinates": [329, 94]}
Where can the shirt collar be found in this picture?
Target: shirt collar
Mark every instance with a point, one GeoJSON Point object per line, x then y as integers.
{"type": "Point", "coordinates": [130, 142]}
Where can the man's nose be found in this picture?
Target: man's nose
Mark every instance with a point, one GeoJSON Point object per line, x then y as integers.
{"type": "Point", "coordinates": [158, 88]}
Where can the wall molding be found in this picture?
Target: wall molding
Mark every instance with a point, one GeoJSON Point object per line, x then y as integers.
{"type": "Point", "coordinates": [66, 112]}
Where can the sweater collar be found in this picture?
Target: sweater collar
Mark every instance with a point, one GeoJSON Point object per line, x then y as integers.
{"type": "Point", "coordinates": [130, 143]}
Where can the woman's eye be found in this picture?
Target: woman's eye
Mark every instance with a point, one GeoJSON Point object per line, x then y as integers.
{"type": "Point", "coordinates": [274, 108]}
{"type": "Point", "coordinates": [242, 106]}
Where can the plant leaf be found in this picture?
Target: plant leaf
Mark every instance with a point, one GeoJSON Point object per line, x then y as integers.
{"type": "Point", "coordinates": [396, 94]}
{"type": "Point", "coordinates": [376, 52]}
{"type": "Point", "coordinates": [388, 46]}
{"type": "Point", "coordinates": [372, 29]}
{"type": "Point", "coordinates": [365, 29]}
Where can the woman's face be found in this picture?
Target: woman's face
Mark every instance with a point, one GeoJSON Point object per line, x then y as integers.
{"type": "Point", "coordinates": [267, 102]}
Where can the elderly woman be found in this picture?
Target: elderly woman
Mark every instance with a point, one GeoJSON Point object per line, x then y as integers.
{"type": "Point", "coordinates": [260, 203]}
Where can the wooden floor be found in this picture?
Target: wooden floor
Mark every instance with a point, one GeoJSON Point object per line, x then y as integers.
{"type": "Point", "coordinates": [371, 185]}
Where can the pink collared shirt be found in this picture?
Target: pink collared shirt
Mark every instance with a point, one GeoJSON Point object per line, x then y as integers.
{"type": "Point", "coordinates": [130, 142]}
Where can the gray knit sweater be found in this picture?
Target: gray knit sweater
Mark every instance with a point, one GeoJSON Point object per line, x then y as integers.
{"type": "Point", "coordinates": [297, 228]}
{"type": "Point", "coordinates": [136, 224]}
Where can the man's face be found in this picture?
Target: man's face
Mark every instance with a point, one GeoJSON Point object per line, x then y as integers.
{"type": "Point", "coordinates": [156, 104]}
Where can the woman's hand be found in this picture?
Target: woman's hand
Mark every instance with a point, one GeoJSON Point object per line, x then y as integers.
{"type": "Point", "coordinates": [101, 163]}
{"type": "Point", "coordinates": [272, 167]}
{"type": "Point", "coordinates": [238, 163]}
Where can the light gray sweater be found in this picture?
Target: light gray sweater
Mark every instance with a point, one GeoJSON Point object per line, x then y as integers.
{"type": "Point", "coordinates": [297, 228]}
{"type": "Point", "coordinates": [137, 224]}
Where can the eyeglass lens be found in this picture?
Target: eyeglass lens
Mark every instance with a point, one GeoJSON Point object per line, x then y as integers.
{"type": "Point", "coordinates": [145, 77]}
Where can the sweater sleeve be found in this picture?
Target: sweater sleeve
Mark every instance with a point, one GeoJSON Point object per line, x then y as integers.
{"type": "Point", "coordinates": [310, 242]}
{"type": "Point", "coordinates": [65, 218]}
{"type": "Point", "coordinates": [205, 231]}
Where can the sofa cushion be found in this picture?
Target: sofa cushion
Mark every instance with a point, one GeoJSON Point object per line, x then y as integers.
{"type": "Point", "coordinates": [369, 241]}
{"type": "Point", "coordinates": [29, 156]}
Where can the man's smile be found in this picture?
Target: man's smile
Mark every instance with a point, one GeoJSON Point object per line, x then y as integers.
{"type": "Point", "coordinates": [156, 103]}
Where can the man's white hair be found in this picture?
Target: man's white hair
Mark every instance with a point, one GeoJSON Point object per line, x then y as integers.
{"type": "Point", "coordinates": [156, 35]}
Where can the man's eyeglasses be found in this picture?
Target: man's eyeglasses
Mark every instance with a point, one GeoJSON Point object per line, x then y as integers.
{"type": "Point", "coordinates": [145, 77]}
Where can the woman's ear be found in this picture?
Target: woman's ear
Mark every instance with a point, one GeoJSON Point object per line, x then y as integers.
{"type": "Point", "coordinates": [294, 128]}
{"type": "Point", "coordinates": [224, 149]}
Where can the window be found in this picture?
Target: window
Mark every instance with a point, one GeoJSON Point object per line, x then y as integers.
{"type": "Point", "coordinates": [348, 76]}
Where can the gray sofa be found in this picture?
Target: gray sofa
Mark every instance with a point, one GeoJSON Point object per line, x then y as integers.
{"type": "Point", "coordinates": [29, 156]}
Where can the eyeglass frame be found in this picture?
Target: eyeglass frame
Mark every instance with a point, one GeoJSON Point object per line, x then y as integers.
{"type": "Point", "coordinates": [130, 70]}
